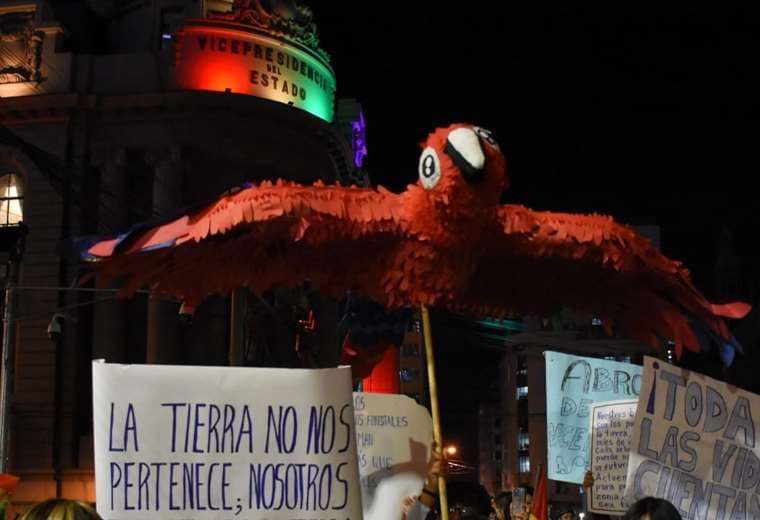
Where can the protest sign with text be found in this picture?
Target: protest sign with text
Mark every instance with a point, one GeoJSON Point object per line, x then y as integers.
{"type": "Point", "coordinates": [573, 385]}
{"type": "Point", "coordinates": [394, 436]}
{"type": "Point", "coordinates": [611, 431]}
{"type": "Point", "coordinates": [694, 444]}
{"type": "Point", "coordinates": [196, 443]}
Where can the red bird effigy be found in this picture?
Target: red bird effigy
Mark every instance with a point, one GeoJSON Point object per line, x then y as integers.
{"type": "Point", "coordinates": [444, 242]}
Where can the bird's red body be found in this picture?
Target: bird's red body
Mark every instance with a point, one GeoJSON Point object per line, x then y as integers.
{"type": "Point", "coordinates": [445, 242]}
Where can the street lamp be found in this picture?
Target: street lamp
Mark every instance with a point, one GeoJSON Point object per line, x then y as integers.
{"type": "Point", "coordinates": [451, 450]}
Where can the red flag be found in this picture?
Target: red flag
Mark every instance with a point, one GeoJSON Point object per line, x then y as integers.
{"type": "Point", "coordinates": [539, 509]}
{"type": "Point", "coordinates": [8, 484]}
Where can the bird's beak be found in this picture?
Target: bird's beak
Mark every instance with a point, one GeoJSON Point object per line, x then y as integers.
{"type": "Point", "coordinates": [464, 148]}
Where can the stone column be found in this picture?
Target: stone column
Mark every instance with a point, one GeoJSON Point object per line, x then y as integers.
{"type": "Point", "coordinates": [110, 316]}
{"type": "Point", "coordinates": [164, 333]}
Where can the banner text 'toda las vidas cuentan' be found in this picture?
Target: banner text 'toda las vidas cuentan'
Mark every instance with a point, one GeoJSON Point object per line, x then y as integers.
{"type": "Point", "coordinates": [695, 444]}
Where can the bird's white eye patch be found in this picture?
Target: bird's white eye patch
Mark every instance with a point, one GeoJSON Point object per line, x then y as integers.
{"type": "Point", "coordinates": [487, 136]}
{"type": "Point", "coordinates": [430, 168]}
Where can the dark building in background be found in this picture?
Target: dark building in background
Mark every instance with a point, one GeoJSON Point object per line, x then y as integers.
{"type": "Point", "coordinates": [412, 365]}
{"type": "Point", "coordinates": [523, 399]}
{"type": "Point", "coordinates": [490, 446]}
{"type": "Point", "coordinates": [116, 112]}
{"type": "Point", "coordinates": [512, 429]}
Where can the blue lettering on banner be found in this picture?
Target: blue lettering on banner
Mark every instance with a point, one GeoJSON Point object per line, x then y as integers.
{"type": "Point", "coordinates": [200, 428]}
{"type": "Point", "coordinates": [573, 385]}
{"type": "Point", "coordinates": [693, 418]}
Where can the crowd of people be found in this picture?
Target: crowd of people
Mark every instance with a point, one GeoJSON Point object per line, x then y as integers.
{"type": "Point", "coordinates": [466, 501]}
{"type": "Point", "coordinates": [471, 502]}
{"type": "Point", "coordinates": [462, 507]}
{"type": "Point", "coordinates": [498, 508]}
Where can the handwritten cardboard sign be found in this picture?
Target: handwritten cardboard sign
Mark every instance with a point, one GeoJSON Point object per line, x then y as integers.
{"type": "Point", "coordinates": [695, 444]}
{"type": "Point", "coordinates": [611, 431]}
{"type": "Point", "coordinates": [394, 436]}
{"type": "Point", "coordinates": [573, 385]}
{"type": "Point", "coordinates": [196, 443]}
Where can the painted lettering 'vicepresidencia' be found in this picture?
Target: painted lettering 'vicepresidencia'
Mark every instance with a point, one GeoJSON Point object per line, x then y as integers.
{"type": "Point", "coordinates": [277, 60]}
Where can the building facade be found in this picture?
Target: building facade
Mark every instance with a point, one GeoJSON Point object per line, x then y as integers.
{"type": "Point", "coordinates": [114, 113]}
{"type": "Point", "coordinates": [490, 446]}
{"type": "Point", "coordinates": [523, 407]}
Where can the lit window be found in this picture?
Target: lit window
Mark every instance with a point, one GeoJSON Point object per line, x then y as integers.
{"type": "Point", "coordinates": [523, 440]}
{"type": "Point", "coordinates": [11, 199]}
{"type": "Point", "coordinates": [524, 464]}
{"type": "Point", "coordinates": [522, 392]}
{"type": "Point", "coordinates": [522, 366]}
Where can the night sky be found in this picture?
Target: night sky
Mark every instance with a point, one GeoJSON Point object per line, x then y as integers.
{"type": "Point", "coordinates": [651, 116]}
{"type": "Point", "coordinates": [648, 115]}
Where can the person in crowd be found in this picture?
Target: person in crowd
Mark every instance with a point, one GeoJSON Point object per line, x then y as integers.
{"type": "Point", "coordinates": [563, 512]}
{"type": "Point", "coordinates": [61, 509]}
{"type": "Point", "coordinates": [468, 501]}
{"type": "Point", "coordinates": [425, 506]}
{"type": "Point", "coordinates": [650, 508]}
{"type": "Point", "coordinates": [500, 505]}
{"type": "Point", "coordinates": [524, 513]}
{"type": "Point", "coordinates": [528, 497]}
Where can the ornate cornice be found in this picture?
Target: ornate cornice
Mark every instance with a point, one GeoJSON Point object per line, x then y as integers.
{"type": "Point", "coordinates": [288, 19]}
{"type": "Point", "coordinates": [22, 46]}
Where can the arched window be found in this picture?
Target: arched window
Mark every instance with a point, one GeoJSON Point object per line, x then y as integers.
{"type": "Point", "coordinates": [11, 200]}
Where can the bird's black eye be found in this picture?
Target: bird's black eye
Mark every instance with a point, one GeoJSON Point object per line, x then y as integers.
{"type": "Point", "coordinates": [487, 136]}
{"type": "Point", "coordinates": [430, 168]}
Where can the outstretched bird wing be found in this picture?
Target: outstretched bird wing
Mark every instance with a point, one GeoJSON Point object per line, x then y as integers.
{"type": "Point", "coordinates": [540, 262]}
{"type": "Point", "coordinates": [273, 235]}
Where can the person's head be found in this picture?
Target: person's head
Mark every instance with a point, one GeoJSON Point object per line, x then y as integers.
{"type": "Point", "coordinates": [61, 509]}
{"type": "Point", "coordinates": [502, 501]}
{"type": "Point", "coordinates": [467, 501]}
{"type": "Point", "coordinates": [528, 496]}
{"type": "Point", "coordinates": [650, 508]}
{"type": "Point", "coordinates": [563, 512]}
{"type": "Point", "coordinates": [461, 511]}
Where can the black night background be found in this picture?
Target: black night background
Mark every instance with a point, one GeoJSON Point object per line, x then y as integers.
{"type": "Point", "coordinates": [647, 114]}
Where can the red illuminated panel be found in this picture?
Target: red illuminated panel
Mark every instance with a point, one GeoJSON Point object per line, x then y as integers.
{"type": "Point", "coordinates": [384, 377]}
{"type": "Point", "coordinates": [240, 61]}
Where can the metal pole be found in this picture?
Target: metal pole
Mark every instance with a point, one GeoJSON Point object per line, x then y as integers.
{"type": "Point", "coordinates": [6, 374]}
{"type": "Point", "coordinates": [432, 382]}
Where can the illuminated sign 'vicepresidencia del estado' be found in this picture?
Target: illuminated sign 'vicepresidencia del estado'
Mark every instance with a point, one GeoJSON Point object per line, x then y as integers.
{"type": "Point", "coordinates": [237, 53]}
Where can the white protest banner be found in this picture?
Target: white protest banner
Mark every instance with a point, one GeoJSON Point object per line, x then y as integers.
{"type": "Point", "coordinates": [573, 384]}
{"type": "Point", "coordinates": [394, 436]}
{"type": "Point", "coordinates": [197, 443]}
{"type": "Point", "coordinates": [611, 431]}
{"type": "Point", "coordinates": [694, 444]}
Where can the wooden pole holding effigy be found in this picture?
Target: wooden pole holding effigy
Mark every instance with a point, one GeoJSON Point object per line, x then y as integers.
{"type": "Point", "coordinates": [432, 383]}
